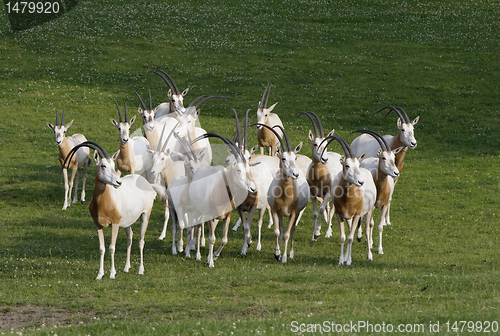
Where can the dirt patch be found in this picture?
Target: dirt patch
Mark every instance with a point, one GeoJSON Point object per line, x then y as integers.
{"type": "Point", "coordinates": [32, 316]}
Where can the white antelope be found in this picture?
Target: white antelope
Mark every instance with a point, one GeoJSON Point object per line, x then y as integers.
{"type": "Point", "coordinates": [323, 168]}
{"type": "Point", "coordinates": [134, 153]}
{"type": "Point", "coordinates": [214, 190]}
{"type": "Point", "coordinates": [384, 171]}
{"type": "Point", "coordinates": [118, 202]}
{"type": "Point", "coordinates": [354, 194]}
{"type": "Point", "coordinates": [175, 106]}
{"type": "Point", "coordinates": [82, 159]}
{"type": "Point", "coordinates": [288, 195]}
{"type": "Point", "coordinates": [265, 137]}
{"type": "Point", "coordinates": [405, 138]}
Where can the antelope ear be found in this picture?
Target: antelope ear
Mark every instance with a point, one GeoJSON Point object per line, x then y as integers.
{"type": "Point", "coordinates": [362, 156]}
{"type": "Point", "coordinates": [113, 121]}
{"type": "Point", "coordinates": [271, 108]}
{"type": "Point", "coordinates": [253, 163]}
{"type": "Point", "coordinates": [150, 151]}
{"type": "Point", "coordinates": [397, 150]}
{"type": "Point", "coordinates": [298, 148]}
{"type": "Point", "coordinates": [379, 153]}
{"type": "Point", "coordinates": [311, 135]}
{"type": "Point", "coordinates": [169, 94]}
{"type": "Point", "coordinates": [415, 120]}
{"type": "Point", "coordinates": [49, 125]}
{"type": "Point", "coordinates": [254, 148]}
{"type": "Point", "coordinates": [132, 120]}
{"type": "Point", "coordinates": [185, 92]}
{"type": "Point", "coordinates": [96, 157]}
{"type": "Point", "coordinates": [141, 111]}
{"type": "Point", "coordinates": [68, 125]}
{"type": "Point", "coordinates": [176, 156]}
{"type": "Point", "coordinates": [115, 156]}
{"type": "Point", "coordinates": [156, 109]}
{"type": "Point", "coordinates": [331, 132]}
{"type": "Point", "coordinates": [400, 125]}
{"type": "Point", "coordinates": [342, 159]}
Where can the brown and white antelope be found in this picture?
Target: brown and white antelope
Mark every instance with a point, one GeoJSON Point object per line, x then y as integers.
{"type": "Point", "coordinates": [354, 194]}
{"type": "Point", "coordinates": [384, 171]}
{"type": "Point", "coordinates": [288, 195]}
{"type": "Point", "coordinates": [323, 168]}
{"type": "Point", "coordinates": [134, 153]}
{"type": "Point", "coordinates": [82, 159]}
{"type": "Point", "coordinates": [118, 202]}
{"type": "Point", "coordinates": [265, 137]}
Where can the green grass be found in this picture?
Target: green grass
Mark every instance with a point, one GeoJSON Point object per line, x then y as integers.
{"type": "Point", "coordinates": [341, 59]}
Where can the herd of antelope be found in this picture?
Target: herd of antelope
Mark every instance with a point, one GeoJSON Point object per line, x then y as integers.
{"type": "Point", "coordinates": [174, 161]}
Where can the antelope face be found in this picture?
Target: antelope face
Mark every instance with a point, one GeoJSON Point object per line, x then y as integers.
{"type": "Point", "coordinates": [107, 173]}
{"type": "Point", "coordinates": [351, 171]}
{"type": "Point", "coordinates": [242, 177]}
{"type": "Point", "coordinates": [148, 118]}
{"type": "Point", "coordinates": [159, 162]}
{"type": "Point", "coordinates": [177, 104]}
{"type": "Point", "coordinates": [387, 163]}
{"type": "Point", "coordinates": [288, 165]}
{"type": "Point", "coordinates": [319, 151]}
{"type": "Point", "coordinates": [60, 132]}
{"type": "Point", "coordinates": [406, 135]}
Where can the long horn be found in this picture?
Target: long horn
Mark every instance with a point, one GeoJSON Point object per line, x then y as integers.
{"type": "Point", "coordinates": [319, 124]}
{"type": "Point", "coordinates": [245, 132]}
{"type": "Point", "coordinates": [165, 80]}
{"type": "Point", "coordinates": [392, 108]}
{"type": "Point", "coordinates": [173, 83]}
{"type": "Point", "coordinates": [238, 131]}
{"type": "Point", "coordinates": [312, 122]}
{"type": "Point", "coordinates": [267, 97]}
{"type": "Point", "coordinates": [140, 99]}
{"type": "Point", "coordinates": [378, 137]}
{"type": "Point", "coordinates": [161, 137]}
{"type": "Point", "coordinates": [275, 133]}
{"type": "Point", "coordinates": [169, 135]}
{"type": "Point", "coordinates": [118, 107]}
{"type": "Point", "coordinates": [204, 98]}
{"type": "Point", "coordinates": [342, 142]}
{"type": "Point", "coordinates": [57, 116]}
{"type": "Point", "coordinates": [150, 101]}
{"type": "Point", "coordinates": [261, 104]}
{"type": "Point", "coordinates": [190, 143]}
{"type": "Point", "coordinates": [91, 144]}
{"type": "Point", "coordinates": [62, 119]}
{"type": "Point", "coordinates": [183, 145]}
{"type": "Point", "coordinates": [237, 154]}
{"type": "Point", "coordinates": [286, 137]}
{"type": "Point", "coordinates": [404, 113]}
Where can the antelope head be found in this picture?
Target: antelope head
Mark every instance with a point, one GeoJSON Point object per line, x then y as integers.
{"type": "Point", "coordinates": [123, 126]}
{"type": "Point", "coordinates": [60, 130]}
{"type": "Point", "coordinates": [148, 116]}
{"type": "Point", "coordinates": [350, 164]}
{"type": "Point", "coordinates": [405, 126]}
{"type": "Point", "coordinates": [263, 111]}
{"type": "Point", "coordinates": [319, 149]}
{"type": "Point", "coordinates": [175, 97]}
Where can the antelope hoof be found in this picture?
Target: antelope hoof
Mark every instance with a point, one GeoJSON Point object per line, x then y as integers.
{"type": "Point", "coordinates": [141, 270]}
{"type": "Point", "coordinates": [359, 239]}
{"type": "Point", "coordinates": [315, 238]}
{"type": "Point", "coordinates": [277, 257]}
{"type": "Point", "coordinates": [380, 251]}
{"type": "Point", "coordinates": [99, 276]}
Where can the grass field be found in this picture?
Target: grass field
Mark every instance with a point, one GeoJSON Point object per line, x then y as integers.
{"type": "Point", "coordinates": [343, 60]}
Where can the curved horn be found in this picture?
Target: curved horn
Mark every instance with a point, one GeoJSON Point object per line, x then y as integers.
{"type": "Point", "coordinates": [312, 121]}
{"type": "Point", "coordinates": [150, 101]}
{"type": "Point", "coordinates": [285, 136]}
{"type": "Point", "coordinates": [237, 154]}
{"type": "Point", "coordinates": [173, 83]}
{"type": "Point", "coordinates": [140, 99]}
{"type": "Point", "coordinates": [381, 141]}
{"type": "Point", "coordinates": [91, 144]}
{"type": "Point", "coordinates": [267, 97]}
{"type": "Point", "coordinates": [165, 80]}
{"type": "Point", "coordinates": [238, 131]}
{"type": "Point", "coordinates": [392, 108]}
{"type": "Point", "coordinates": [169, 135]}
{"type": "Point", "coordinates": [190, 143]}
{"type": "Point", "coordinates": [62, 119]}
{"type": "Point", "coordinates": [57, 116]}
{"type": "Point", "coordinates": [261, 104]}
{"type": "Point", "coordinates": [204, 98]}
{"type": "Point", "coordinates": [404, 113]}
{"type": "Point", "coordinates": [118, 107]}
{"type": "Point", "coordinates": [245, 132]}
{"type": "Point", "coordinates": [183, 145]}
{"type": "Point", "coordinates": [319, 124]}
{"type": "Point", "coordinates": [275, 133]}
{"type": "Point", "coordinates": [342, 142]}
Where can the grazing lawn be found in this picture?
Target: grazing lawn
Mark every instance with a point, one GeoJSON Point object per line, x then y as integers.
{"type": "Point", "coordinates": [343, 60]}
